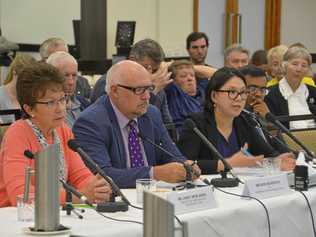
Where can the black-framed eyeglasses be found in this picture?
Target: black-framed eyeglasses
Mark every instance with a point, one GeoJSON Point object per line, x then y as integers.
{"type": "Point", "coordinates": [254, 89]}
{"type": "Point", "coordinates": [138, 90]}
{"type": "Point", "coordinates": [233, 94]}
{"type": "Point", "coordinates": [53, 103]}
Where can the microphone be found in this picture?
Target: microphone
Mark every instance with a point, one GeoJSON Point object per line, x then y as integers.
{"type": "Point", "coordinates": [29, 154]}
{"type": "Point", "coordinates": [72, 190]}
{"type": "Point", "coordinates": [218, 182]}
{"type": "Point", "coordinates": [187, 167]}
{"type": "Point", "coordinates": [73, 145]}
{"type": "Point", "coordinates": [271, 118]}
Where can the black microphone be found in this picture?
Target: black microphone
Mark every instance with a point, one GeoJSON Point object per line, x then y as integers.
{"type": "Point", "coordinates": [72, 190]}
{"type": "Point", "coordinates": [73, 145]}
{"type": "Point", "coordinates": [223, 181]}
{"type": "Point", "coordinates": [187, 167]}
{"type": "Point", "coordinates": [29, 154]}
{"type": "Point", "coordinates": [271, 118]}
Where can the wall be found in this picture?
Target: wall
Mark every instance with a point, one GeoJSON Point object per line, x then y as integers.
{"type": "Point", "coordinates": [296, 23]}
{"type": "Point", "coordinates": [211, 21]}
{"type": "Point", "coordinates": [33, 21]}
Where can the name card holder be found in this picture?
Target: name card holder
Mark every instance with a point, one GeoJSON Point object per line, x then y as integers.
{"type": "Point", "coordinates": [192, 200]}
{"type": "Point", "coordinates": [267, 186]}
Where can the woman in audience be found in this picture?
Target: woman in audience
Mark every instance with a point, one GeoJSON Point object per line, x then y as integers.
{"type": "Point", "coordinates": [41, 97]}
{"type": "Point", "coordinates": [8, 98]}
{"type": "Point", "coordinates": [291, 96]}
{"type": "Point", "coordinates": [224, 125]}
{"type": "Point", "coordinates": [184, 95]}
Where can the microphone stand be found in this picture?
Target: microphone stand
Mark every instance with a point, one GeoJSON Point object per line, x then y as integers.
{"type": "Point", "coordinates": [68, 207]}
{"type": "Point", "coordinates": [271, 118]}
{"type": "Point", "coordinates": [188, 184]}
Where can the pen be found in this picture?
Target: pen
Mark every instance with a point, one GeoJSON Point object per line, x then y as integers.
{"type": "Point", "coordinates": [245, 152]}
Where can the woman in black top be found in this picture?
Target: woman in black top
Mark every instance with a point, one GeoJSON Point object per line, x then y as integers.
{"type": "Point", "coordinates": [226, 127]}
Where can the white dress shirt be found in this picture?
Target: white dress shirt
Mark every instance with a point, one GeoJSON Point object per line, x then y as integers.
{"type": "Point", "coordinates": [297, 104]}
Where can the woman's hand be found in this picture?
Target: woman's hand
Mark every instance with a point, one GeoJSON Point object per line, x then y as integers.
{"type": "Point", "coordinates": [287, 161]}
{"type": "Point", "coordinates": [97, 190]}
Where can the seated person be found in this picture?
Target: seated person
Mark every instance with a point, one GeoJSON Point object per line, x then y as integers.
{"type": "Point", "coordinates": [184, 94]}
{"type": "Point", "coordinates": [108, 130]}
{"type": "Point", "coordinates": [291, 96]}
{"type": "Point", "coordinates": [8, 98]}
{"type": "Point", "coordinates": [68, 66]}
{"type": "Point", "coordinates": [41, 96]}
{"type": "Point", "coordinates": [224, 125]}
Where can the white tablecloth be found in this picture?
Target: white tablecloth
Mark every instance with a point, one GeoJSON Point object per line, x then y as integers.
{"type": "Point", "coordinates": [289, 217]}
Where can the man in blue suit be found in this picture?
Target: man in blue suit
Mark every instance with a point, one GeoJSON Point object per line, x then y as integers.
{"type": "Point", "coordinates": [108, 130]}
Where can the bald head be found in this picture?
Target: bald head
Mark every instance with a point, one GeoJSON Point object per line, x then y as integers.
{"type": "Point", "coordinates": [129, 85]}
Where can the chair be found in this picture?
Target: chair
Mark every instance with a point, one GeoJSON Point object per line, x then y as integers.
{"type": "Point", "coordinates": [4, 125]}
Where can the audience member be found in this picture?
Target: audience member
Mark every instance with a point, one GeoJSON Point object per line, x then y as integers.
{"type": "Point", "coordinates": [224, 125]}
{"type": "Point", "coordinates": [67, 65]}
{"type": "Point", "coordinates": [236, 56]}
{"type": "Point", "coordinates": [184, 95]}
{"type": "Point", "coordinates": [290, 96]}
{"type": "Point", "coordinates": [41, 96]}
{"type": "Point", "coordinates": [8, 97]}
{"type": "Point", "coordinates": [259, 59]}
{"type": "Point", "coordinates": [150, 55]}
{"type": "Point", "coordinates": [52, 45]}
{"type": "Point", "coordinates": [109, 129]}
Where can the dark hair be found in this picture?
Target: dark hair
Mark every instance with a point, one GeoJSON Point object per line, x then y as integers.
{"type": "Point", "coordinates": [147, 48]}
{"type": "Point", "coordinates": [34, 81]}
{"type": "Point", "coordinates": [217, 81]}
{"type": "Point", "coordinates": [252, 71]}
{"type": "Point", "coordinates": [195, 36]}
{"type": "Point", "coordinates": [259, 57]}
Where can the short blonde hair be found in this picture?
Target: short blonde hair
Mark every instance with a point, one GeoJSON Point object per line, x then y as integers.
{"type": "Point", "coordinates": [278, 52]}
{"type": "Point", "coordinates": [176, 65]}
{"type": "Point", "coordinates": [20, 61]}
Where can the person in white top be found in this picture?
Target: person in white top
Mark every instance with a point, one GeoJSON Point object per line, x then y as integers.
{"type": "Point", "coordinates": [291, 96]}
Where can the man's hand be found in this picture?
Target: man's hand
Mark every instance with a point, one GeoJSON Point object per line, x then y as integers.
{"type": "Point", "coordinates": [196, 171]}
{"type": "Point", "coordinates": [97, 190]}
{"type": "Point", "coordinates": [161, 78]}
{"type": "Point", "coordinates": [172, 172]}
{"type": "Point", "coordinates": [260, 107]}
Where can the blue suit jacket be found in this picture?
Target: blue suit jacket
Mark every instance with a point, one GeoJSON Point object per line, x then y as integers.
{"type": "Point", "coordinates": [99, 135]}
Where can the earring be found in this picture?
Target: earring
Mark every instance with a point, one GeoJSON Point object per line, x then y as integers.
{"type": "Point", "coordinates": [32, 115]}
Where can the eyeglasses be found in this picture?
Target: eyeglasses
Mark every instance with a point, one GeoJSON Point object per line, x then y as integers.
{"type": "Point", "coordinates": [233, 94]}
{"type": "Point", "coordinates": [254, 89]}
{"type": "Point", "coordinates": [53, 103]}
{"type": "Point", "coordinates": [138, 90]}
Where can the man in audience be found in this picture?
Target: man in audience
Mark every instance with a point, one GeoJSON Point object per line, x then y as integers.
{"type": "Point", "coordinates": [236, 56]}
{"type": "Point", "coordinates": [197, 45]}
{"type": "Point", "coordinates": [52, 45]}
{"type": "Point", "coordinates": [68, 66]}
{"type": "Point", "coordinates": [150, 55]}
{"type": "Point", "coordinates": [115, 130]}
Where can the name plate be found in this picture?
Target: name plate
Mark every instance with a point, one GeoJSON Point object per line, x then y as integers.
{"type": "Point", "coordinates": [268, 186]}
{"type": "Point", "coordinates": [191, 200]}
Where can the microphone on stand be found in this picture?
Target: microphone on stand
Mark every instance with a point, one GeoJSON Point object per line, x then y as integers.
{"type": "Point", "coordinates": [217, 182]}
{"type": "Point", "coordinates": [187, 167]}
{"type": "Point", "coordinates": [271, 118]}
{"type": "Point", "coordinates": [109, 206]}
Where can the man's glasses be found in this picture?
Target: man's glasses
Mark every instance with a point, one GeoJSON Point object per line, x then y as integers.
{"type": "Point", "coordinates": [138, 90]}
{"type": "Point", "coordinates": [255, 89]}
{"type": "Point", "coordinates": [53, 103]}
{"type": "Point", "coordinates": [233, 94]}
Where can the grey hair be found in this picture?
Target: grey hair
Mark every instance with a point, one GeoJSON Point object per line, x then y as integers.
{"type": "Point", "coordinates": [297, 52]}
{"type": "Point", "coordinates": [48, 44]}
{"type": "Point", "coordinates": [147, 48]}
{"type": "Point", "coordinates": [59, 57]}
{"type": "Point", "coordinates": [235, 48]}
{"type": "Point", "coordinates": [112, 78]}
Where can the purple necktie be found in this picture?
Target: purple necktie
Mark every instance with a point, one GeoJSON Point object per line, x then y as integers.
{"type": "Point", "coordinates": [135, 152]}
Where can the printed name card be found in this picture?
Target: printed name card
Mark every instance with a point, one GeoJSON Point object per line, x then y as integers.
{"type": "Point", "coordinates": [267, 186]}
{"type": "Point", "coordinates": [191, 200]}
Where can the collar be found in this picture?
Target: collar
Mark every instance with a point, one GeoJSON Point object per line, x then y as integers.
{"type": "Point", "coordinates": [286, 90]}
